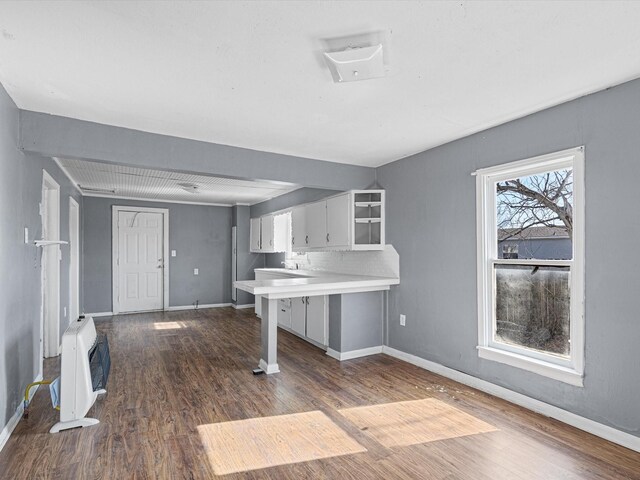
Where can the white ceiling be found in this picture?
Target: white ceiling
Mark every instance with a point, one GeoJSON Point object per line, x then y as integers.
{"type": "Point", "coordinates": [251, 74]}
{"type": "Point", "coordinates": [118, 181]}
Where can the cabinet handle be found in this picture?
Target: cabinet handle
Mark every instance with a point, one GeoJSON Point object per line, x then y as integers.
{"type": "Point", "coordinates": [302, 300]}
{"type": "Point", "coordinates": [327, 238]}
{"type": "Point", "coordinates": [293, 240]}
{"type": "Point", "coordinates": [306, 239]}
{"type": "Point", "coordinates": [307, 300]}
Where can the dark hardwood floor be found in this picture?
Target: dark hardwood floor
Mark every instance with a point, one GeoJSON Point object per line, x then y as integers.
{"type": "Point", "coordinates": [174, 372]}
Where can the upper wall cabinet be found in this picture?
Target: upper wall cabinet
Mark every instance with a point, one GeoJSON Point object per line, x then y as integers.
{"type": "Point", "coordinates": [349, 221]}
{"type": "Point", "coordinates": [270, 233]}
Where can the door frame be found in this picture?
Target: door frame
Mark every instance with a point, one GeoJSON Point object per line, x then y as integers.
{"type": "Point", "coordinates": [74, 266]}
{"type": "Point", "coordinates": [50, 270]}
{"type": "Point", "coordinates": [116, 209]}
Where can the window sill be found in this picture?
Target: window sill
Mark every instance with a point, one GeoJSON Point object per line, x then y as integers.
{"type": "Point", "coordinates": [546, 369]}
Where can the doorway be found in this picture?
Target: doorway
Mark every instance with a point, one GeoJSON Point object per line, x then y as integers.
{"type": "Point", "coordinates": [74, 259]}
{"type": "Point", "coordinates": [140, 259]}
{"type": "Point", "coordinates": [50, 272]}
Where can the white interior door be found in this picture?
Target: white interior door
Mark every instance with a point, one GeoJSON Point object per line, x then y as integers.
{"type": "Point", "coordinates": [50, 212]}
{"type": "Point", "coordinates": [140, 261]}
{"type": "Point", "coordinates": [74, 260]}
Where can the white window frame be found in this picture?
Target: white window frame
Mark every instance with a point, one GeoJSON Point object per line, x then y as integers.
{"type": "Point", "coordinates": [569, 370]}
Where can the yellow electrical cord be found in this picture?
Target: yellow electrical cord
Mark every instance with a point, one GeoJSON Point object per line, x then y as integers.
{"type": "Point", "coordinates": [26, 395]}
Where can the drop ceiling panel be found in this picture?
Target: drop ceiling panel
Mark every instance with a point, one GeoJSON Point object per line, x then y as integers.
{"type": "Point", "coordinates": [106, 179]}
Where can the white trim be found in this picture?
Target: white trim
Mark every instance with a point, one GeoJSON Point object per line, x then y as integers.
{"type": "Point", "coordinates": [98, 314]}
{"type": "Point", "coordinates": [50, 280]}
{"type": "Point", "coordinates": [557, 372]}
{"type": "Point", "coordinates": [115, 209]}
{"type": "Point", "coordinates": [66, 173]}
{"type": "Point", "coordinates": [181, 202]}
{"type": "Point", "coordinates": [200, 307]}
{"type": "Point", "coordinates": [363, 352]}
{"type": "Point", "coordinates": [268, 368]}
{"type": "Point", "coordinates": [603, 431]}
{"type": "Point", "coordinates": [73, 204]}
{"type": "Point", "coordinates": [240, 307]}
{"type": "Point", "coordinates": [568, 370]}
{"type": "Point", "coordinates": [15, 418]}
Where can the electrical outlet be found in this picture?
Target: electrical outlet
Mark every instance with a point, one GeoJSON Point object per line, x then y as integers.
{"type": "Point", "coordinates": [173, 253]}
{"type": "Point", "coordinates": [26, 234]}
{"type": "Point", "coordinates": [195, 271]}
{"type": "Point", "coordinates": [403, 320]}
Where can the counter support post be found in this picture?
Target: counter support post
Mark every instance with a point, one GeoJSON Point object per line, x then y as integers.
{"type": "Point", "coordinates": [269, 329]}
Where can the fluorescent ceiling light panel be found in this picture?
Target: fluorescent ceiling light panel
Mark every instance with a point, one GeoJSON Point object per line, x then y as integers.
{"type": "Point", "coordinates": [352, 64]}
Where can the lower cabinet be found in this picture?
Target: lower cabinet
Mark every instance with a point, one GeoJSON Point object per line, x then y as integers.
{"type": "Point", "coordinates": [309, 318]}
{"type": "Point", "coordinates": [284, 312]}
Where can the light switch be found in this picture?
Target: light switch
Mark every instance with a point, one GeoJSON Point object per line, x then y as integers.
{"type": "Point", "coordinates": [195, 271]}
{"type": "Point", "coordinates": [173, 253]}
{"type": "Point", "coordinates": [26, 234]}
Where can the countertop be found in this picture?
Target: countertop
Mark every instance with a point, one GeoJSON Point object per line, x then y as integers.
{"type": "Point", "coordinates": [312, 282]}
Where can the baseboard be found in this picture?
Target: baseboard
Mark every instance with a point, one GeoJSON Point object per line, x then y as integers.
{"type": "Point", "coordinates": [200, 307]}
{"type": "Point", "coordinates": [363, 352]}
{"type": "Point", "coordinates": [13, 421]}
{"type": "Point", "coordinates": [603, 431]}
{"type": "Point", "coordinates": [239, 307]}
{"type": "Point", "coordinates": [98, 314]}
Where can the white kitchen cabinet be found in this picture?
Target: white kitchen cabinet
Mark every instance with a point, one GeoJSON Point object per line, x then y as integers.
{"type": "Point", "coordinates": [317, 319]}
{"type": "Point", "coordinates": [316, 223]}
{"type": "Point", "coordinates": [338, 221]}
{"type": "Point", "coordinates": [284, 312]}
{"type": "Point", "coordinates": [255, 235]}
{"type": "Point", "coordinates": [299, 315]}
{"type": "Point", "coordinates": [299, 239]}
{"type": "Point", "coordinates": [353, 220]}
{"type": "Point", "coordinates": [281, 232]}
{"type": "Point", "coordinates": [267, 234]}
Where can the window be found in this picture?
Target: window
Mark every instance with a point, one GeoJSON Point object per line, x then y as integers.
{"type": "Point", "coordinates": [531, 264]}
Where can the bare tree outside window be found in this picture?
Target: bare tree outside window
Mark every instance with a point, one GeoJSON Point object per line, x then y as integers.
{"type": "Point", "coordinates": [535, 213]}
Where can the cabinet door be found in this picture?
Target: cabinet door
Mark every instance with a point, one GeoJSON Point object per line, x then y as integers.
{"type": "Point", "coordinates": [316, 219]}
{"type": "Point", "coordinates": [298, 315]}
{"type": "Point", "coordinates": [317, 324]}
{"type": "Point", "coordinates": [255, 235]}
{"type": "Point", "coordinates": [338, 220]}
{"type": "Point", "coordinates": [284, 313]}
{"type": "Point", "coordinates": [266, 233]}
{"type": "Point", "coordinates": [298, 229]}
{"type": "Point", "coordinates": [281, 227]}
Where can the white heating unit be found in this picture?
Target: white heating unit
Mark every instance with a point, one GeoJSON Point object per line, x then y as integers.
{"type": "Point", "coordinates": [83, 375]}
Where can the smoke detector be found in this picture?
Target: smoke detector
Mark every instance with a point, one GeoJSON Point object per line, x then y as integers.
{"type": "Point", "coordinates": [356, 63]}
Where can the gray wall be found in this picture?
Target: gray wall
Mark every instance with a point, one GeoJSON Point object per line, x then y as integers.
{"type": "Point", "coordinates": [200, 234]}
{"type": "Point", "coordinates": [297, 197]}
{"type": "Point", "coordinates": [355, 321]}
{"type": "Point", "coordinates": [431, 223]}
{"type": "Point", "coordinates": [52, 135]}
{"type": "Point", "coordinates": [20, 295]}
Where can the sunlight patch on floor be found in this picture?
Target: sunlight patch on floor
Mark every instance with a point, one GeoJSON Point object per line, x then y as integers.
{"type": "Point", "coordinates": [168, 325]}
{"type": "Point", "coordinates": [413, 422]}
{"type": "Point", "coordinates": [256, 443]}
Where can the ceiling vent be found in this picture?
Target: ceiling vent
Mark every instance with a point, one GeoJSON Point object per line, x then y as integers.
{"type": "Point", "coordinates": [356, 63]}
{"type": "Point", "coordinates": [97, 190]}
{"type": "Point", "coordinates": [189, 187]}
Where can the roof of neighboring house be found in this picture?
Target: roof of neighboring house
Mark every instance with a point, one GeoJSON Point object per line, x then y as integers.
{"type": "Point", "coordinates": [531, 233]}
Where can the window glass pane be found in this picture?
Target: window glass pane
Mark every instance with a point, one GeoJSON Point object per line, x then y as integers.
{"type": "Point", "coordinates": [532, 307]}
{"type": "Point", "coordinates": [535, 216]}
